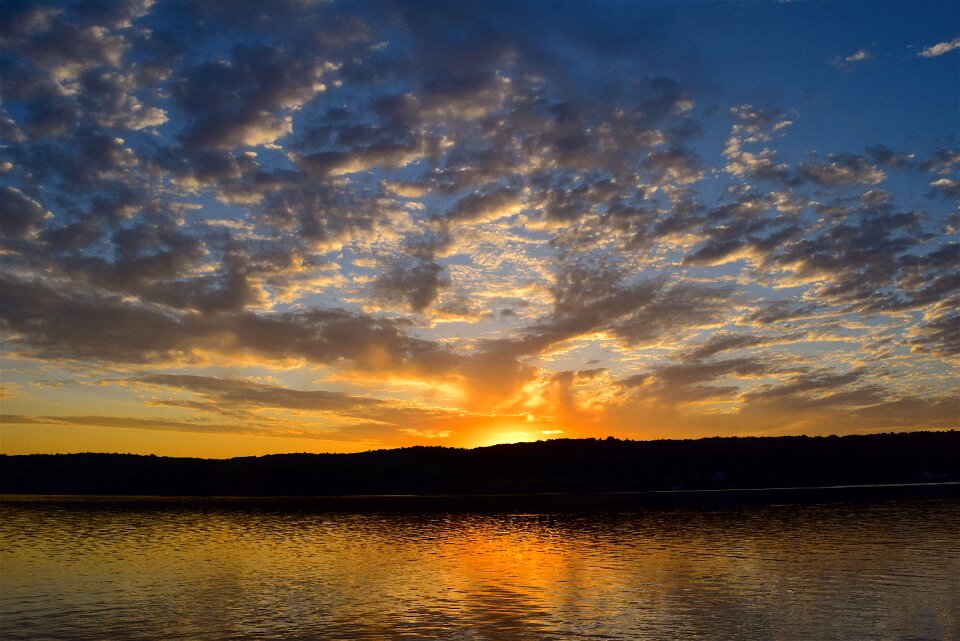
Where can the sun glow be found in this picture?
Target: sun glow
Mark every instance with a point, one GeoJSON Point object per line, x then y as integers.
{"type": "Point", "coordinates": [499, 437]}
{"type": "Point", "coordinates": [254, 248]}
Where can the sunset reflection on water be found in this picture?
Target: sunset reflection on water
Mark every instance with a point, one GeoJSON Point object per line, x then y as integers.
{"type": "Point", "coordinates": [184, 569]}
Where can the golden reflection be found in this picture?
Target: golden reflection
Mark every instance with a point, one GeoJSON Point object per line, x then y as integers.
{"type": "Point", "coordinates": [219, 569]}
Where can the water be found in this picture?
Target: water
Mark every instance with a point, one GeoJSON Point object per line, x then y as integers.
{"type": "Point", "coordinates": [189, 569]}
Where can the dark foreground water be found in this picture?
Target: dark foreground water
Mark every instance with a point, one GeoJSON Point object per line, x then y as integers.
{"type": "Point", "coordinates": [230, 569]}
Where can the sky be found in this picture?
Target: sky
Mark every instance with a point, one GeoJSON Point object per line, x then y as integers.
{"type": "Point", "coordinates": [238, 228]}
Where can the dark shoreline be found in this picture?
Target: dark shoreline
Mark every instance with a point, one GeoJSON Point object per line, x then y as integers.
{"type": "Point", "coordinates": [509, 503]}
{"type": "Point", "coordinates": [636, 472]}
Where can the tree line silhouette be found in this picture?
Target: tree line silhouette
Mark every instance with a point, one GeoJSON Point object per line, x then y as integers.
{"type": "Point", "coordinates": [561, 465]}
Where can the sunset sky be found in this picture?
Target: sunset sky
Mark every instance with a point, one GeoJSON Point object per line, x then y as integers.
{"type": "Point", "coordinates": [235, 228]}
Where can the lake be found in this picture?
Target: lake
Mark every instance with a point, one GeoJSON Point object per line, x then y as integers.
{"type": "Point", "coordinates": [84, 568]}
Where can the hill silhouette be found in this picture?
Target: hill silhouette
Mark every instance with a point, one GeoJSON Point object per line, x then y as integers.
{"type": "Point", "coordinates": [562, 465]}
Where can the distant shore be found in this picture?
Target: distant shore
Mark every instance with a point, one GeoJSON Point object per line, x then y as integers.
{"type": "Point", "coordinates": [512, 503]}
{"type": "Point", "coordinates": [572, 469]}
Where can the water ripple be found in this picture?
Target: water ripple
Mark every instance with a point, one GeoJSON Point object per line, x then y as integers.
{"type": "Point", "coordinates": [186, 570]}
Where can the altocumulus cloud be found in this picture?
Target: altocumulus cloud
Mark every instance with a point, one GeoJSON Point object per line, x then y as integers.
{"type": "Point", "coordinates": [387, 224]}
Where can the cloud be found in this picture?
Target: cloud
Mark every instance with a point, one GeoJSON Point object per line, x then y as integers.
{"type": "Point", "coordinates": [341, 415]}
{"type": "Point", "coordinates": [721, 342]}
{"type": "Point", "coordinates": [848, 62]}
{"type": "Point", "coordinates": [416, 281]}
{"type": "Point", "coordinates": [858, 56]}
{"type": "Point", "coordinates": [674, 167]}
{"type": "Point", "coordinates": [486, 207]}
{"type": "Point", "coordinates": [111, 98]}
{"type": "Point", "coordinates": [939, 333]}
{"type": "Point", "coordinates": [468, 205]}
{"type": "Point", "coordinates": [591, 299]}
{"type": "Point", "coordinates": [868, 262]}
{"type": "Point", "coordinates": [941, 162]}
{"type": "Point", "coordinates": [53, 324]}
{"type": "Point", "coordinates": [386, 155]}
{"type": "Point", "coordinates": [740, 230]}
{"type": "Point", "coordinates": [771, 312]}
{"type": "Point", "coordinates": [47, 37]}
{"type": "Point", "coordinates": [883, 155]}
{"type": "Point", "coordinates": [940, 48]}
{"type": "Point", "coordinates": [247, 100]}
{"type": "Point", "coordinates": [842, 169]}
{"type": "Point", "coordinates": [20, 216]}
{"type": "Point", "coordinates": [233, 392]}
{"type": "Point", "coordinates": [686, 382]}
{"type": "Point", "coordinates": [461, 308]}
{"type": "Point", "coordinates": [818, 387]}
{"type": "Point", "coordinates": [166, 425]}
{"type": "Point", "coordinates": [947, 187]}
{"type": "Point", "coordinates": [272, 429]}
{"type": "Point", "coordinates": [751, 126]}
